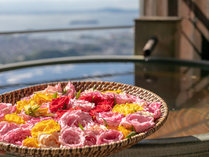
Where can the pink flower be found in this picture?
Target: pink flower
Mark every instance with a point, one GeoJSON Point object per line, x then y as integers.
{"type": "Point", "coordinates": [111, 118]}
{"type": "Point", "coordinates": [16, 136]}
{"type": "Point", "coordinates": [69, 90]}
{"type": "Point", "coordinates": [82, 104]}
{"type": "Point", "coordinates": [155, 109]}
{"type": "Point", "coordinates": [52, 89]}
{"type": "Point", "coordinates": [73, 118]}
{"type": "Point", "coordinates": [121, 98]}
{"type": "Point", "coordinates": [138, 121]}
{"type": "Point", "coordinates": [33, 120]}
{"type": "Point", "coordinates": [5, 127]}
{"type": "Point", "coordinates": [72, 137]}
{"type": "Point", "coordinates": [95, 128]}
{"type": "Point", "coordinates": [24, 115]}
{"type": "Point", "coordinates": [110, 136]}
{"type": "Point", "coordinates": [90, 138]}
{"type": "Point", "coordinates": [6, 108]}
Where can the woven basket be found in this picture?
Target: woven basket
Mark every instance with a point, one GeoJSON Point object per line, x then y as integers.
{"type": "Point", "coordinates": [96, 150]}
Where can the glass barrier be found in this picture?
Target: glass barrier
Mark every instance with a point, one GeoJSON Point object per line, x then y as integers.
{"type": "Point", "coordinates": [25, 47]}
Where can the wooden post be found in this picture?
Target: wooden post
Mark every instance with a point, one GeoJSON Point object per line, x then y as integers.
{"type": "Point", "coordinates": [166, 29]}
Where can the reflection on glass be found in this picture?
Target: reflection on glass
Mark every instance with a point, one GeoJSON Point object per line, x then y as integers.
{"type": "Point", "coordinates": [185, 90]}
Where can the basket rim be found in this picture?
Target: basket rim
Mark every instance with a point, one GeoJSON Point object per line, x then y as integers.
{"type": "Point", "coordinates": [143, 134]}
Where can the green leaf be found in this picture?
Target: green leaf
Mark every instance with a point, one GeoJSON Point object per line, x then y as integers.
{"type": "Point", "coordinates": [50, 114]}
{"type": "Point", "coordinates": [26, 111]}
{"type": "Point", "coordinates": [64, 107]}
{"type": "Point", "coordinates": [114, 100]}
{"type": "Point", "coordinates": [79, 124]}
{"type": "Point", "coordinates": [78, 94]}
{"type": "Point", "coordinates": [94, 88]}
{"type": "Point", "coordinates": [55, 95]}
{"type": "Point", "coordinates": [132, 128]}
{"type": "Point", "coordinates": [92, 99]}
{"type": "Point", "coordinates": [131, 134]}
{"type": "Point", "coordinates": [36, 108]}
{"type": "Point", "coordinates": [105, 122]}
{"type": "Point", "coordinates": [29, 108]}
{"type": "Point", "coordinates": [64, 91]}
{"type": "Point", "coordinates": [30, 111]}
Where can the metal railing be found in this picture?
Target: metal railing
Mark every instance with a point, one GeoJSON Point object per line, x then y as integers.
{"type": "Point", "coordinates": [67, 29]}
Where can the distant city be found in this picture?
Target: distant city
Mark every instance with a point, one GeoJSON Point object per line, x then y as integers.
{"type": "Point", "coordinates": [16, 48]}
{"type": "Point", "coordinates": [23, 48]}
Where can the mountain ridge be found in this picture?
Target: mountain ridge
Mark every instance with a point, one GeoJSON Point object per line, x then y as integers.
{"type": "Point", "coordinates": [106, 9]}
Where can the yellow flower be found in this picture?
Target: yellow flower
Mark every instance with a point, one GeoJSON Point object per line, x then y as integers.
{"type": "Point", "coordinates": [14, 118]}
{"type": "Point", "coordinates": [47, 127]}
{"type": "Point", "coordinates": [20, 105]}
{"type": "Point", "coordinates": [32, 106]}
{"type": "Point", "coordinates": [113, 91]}
{"type": "Point", "coordinates": [36, 111]}
{"type": "Point", "coordinates": [30, 142]}
{"type": "Point", "coordinates": [124, 130]}
{"type": "Point", "coordinates": [37, 100]}
{"type": "Point", "coordinates": [127, 108]}
{"type": "Point", "coordinates": [41, 98]}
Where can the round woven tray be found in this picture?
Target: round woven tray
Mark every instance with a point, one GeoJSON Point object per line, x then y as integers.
{"type": "Point", "coordinates": [96, 150]}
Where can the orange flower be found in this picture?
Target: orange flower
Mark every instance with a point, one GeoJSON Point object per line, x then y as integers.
{"type": "Point", "coordinates": [14, 118]}
{"type": "Point", "coordinates": [47, 127]}
{"type": "Point", "coordinates": [30, 142]}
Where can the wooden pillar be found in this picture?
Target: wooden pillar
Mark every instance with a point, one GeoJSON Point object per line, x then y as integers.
{"type": "Point", "coordinates": [194, 33]}
{"type": "Point", "coordinates": [195, 29]}
{"type": "Point", "coordinates": [154, 7]}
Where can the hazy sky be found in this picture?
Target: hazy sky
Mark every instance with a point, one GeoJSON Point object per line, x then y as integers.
{"type": "Point", "coordinates": [58, 5]}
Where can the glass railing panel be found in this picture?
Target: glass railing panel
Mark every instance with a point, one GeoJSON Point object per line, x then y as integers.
{"type": "Point", "coordinates": [32, 46]}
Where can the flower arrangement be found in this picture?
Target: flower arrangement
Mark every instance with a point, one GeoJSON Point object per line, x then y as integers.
{"type": "Point", "coordinates": [56, 117]}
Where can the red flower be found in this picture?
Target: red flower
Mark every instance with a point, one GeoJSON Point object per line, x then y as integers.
{"type": "Point", "coordinates": [109, 102]}
{"type": "Point", "coordinates": [104, 106]}
{"type": "Point", "coordinates": [100, 108]}
{"type": "Point", "coordinates": [93, 97]}
{"type": "Point", "coordinates": [98, 98]}
{"type": "Point", "coordinates": [102, 102]}
{"type": "Point", "coordinates": [60, 113]}
{"type": "Point", "coordinates": [60, 103]}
